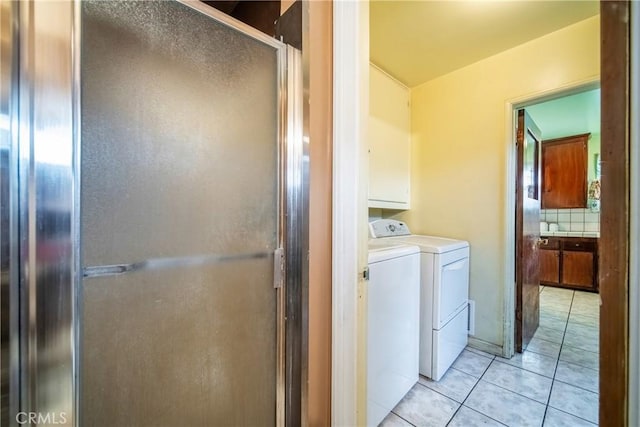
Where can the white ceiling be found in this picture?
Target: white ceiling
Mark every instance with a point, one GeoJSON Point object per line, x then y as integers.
{"type": "Point", "coordinates": [569, 115]}
{"type": "Point", "coordinates": [416, 41]}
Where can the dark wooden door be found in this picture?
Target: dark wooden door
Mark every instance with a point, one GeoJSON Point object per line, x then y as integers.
{"type": "Point", "coordinates": [527, 230]}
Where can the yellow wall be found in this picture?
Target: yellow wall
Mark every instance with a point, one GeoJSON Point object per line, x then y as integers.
{"type": "Point", "coordinates": [285, 5]}
{"type": "Point", "coordinates": [459, 151]}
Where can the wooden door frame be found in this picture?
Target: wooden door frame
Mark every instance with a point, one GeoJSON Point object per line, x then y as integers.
{"type": "Point", "coordinates": [615, 214]}
{"type": "Point", "coordinates": [634, 240]}
{"type": "Point", "coordinates": [511, 119]}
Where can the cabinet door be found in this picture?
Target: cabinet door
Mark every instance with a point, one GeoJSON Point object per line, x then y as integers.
{"type": "Point", "coordinates": [389, 142]}
{"type": "Point", "coordinates": [550, 266]}
{"type": "Point", "coordinates": [564, 172]}
{"type": "Point", "coordinates": [577, 269]}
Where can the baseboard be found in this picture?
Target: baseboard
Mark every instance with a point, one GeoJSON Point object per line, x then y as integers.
{"type": "Point", "coordinates": [485, 346]}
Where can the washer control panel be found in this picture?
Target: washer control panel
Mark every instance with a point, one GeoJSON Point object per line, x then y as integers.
{"type": "Point", "coordinates": [387, 228]}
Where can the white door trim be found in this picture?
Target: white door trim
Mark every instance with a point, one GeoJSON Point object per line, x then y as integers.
{"type": "Point", "coordinates": [350, 170]}
{"type": "Point", "coordinates": [511, 108]}
{"type": "Point", "coordinates": [508, 332]}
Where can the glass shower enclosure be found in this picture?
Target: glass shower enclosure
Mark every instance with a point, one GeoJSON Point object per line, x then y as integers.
{"type": "Point", "coordinates": [153, 215]}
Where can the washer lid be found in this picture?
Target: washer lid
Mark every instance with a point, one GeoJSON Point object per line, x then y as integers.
{"type": "Point", "coordinates": [434, 244]}
{"type": "Point", "coordinates": [383, 251]}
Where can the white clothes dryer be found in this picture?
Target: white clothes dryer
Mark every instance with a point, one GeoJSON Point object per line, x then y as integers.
{"type": "Point", "coordinates": [444, 294]}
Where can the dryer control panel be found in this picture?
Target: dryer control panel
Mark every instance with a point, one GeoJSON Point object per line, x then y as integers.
{"type": "Point", "coordinates": [387, 228]}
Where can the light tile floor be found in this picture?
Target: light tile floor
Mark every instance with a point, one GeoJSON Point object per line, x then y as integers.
{"type": "Point", "coordinates": [553, 383]}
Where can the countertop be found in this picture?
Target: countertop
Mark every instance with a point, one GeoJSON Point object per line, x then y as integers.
{"type": "Point", "coordinates": [591, 234]}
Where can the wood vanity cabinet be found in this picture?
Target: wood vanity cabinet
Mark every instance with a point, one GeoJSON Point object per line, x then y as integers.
{"type": "Point", "coordinates": [570, 262]}
{"type": "Point", "coordinates": [564, 172]}
{"type": "Point", "coordinates": [550, 262]}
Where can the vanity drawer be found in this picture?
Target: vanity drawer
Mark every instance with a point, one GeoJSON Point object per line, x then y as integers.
{"type": "Point", "coordinates": [582, 245]}
{"type": "Point", "coordinates": [550, 243]}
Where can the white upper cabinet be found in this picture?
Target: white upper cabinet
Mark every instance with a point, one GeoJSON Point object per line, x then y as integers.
{"type": "Point", "coordinates": [389, 142]}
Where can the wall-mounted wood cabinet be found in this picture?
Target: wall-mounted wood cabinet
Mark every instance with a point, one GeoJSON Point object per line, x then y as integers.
{"type": "Point", "coordinates": [389, 142]}
{"type": "Point", "coordinates": [570, 262]}
{"type": "Point", "coordinates": [564, 172]}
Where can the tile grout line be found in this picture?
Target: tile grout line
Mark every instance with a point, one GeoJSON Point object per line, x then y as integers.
{"type": "Point", "coordinates": [577, 348]}
{"type": "Point", "coordinates": [471, 391]}
{"type": "Point", "coordinates": [474, 410]}
{"type": "Point", "coordinates": [493, 358]}
{"type": "Point", "coordinates": [563, 382]}
{"type": "Point", "coordinates": [546, 408]}
{"type": "Point", "coordinates": [579, 364]}
{"type": "Point", "coordinates": [542, 354]}
{"type": "Point", "coordinates": [402, 418]}
{"type": "Point", "coordinates": [465, 373]}
{"type": "Point", "coordinates": [525, 369]}
{"type": "Point", "coordinates": [475, 351]}
{"type": "Point", "coordinates": [515, 392]}
{"type": "Point", "coordinates": [573, 385]}
{"type": "Point", "coordinates": [525, 397]}
{"type": "Point", "coordinates": [576, 386]}
{"type": "Point", "coordinates": [441, 394]}
{"type": "Point", "coordinates": [573, 415]}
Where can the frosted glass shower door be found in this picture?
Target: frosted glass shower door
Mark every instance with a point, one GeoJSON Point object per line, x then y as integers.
{"type": "Point", "coordinates": [179, 219]}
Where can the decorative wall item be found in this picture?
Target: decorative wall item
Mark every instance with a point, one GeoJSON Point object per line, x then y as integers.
{"type": "Point", "coordinates": [594, 194]}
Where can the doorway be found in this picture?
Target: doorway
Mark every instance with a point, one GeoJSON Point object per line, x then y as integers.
{"type": "Point", "coordinates": [613, 261]}
{"type": "Point", "coordinates": [613, 257]}
{"type": "Point", "coordinates": [557, 307]}
{"type": "Point", "coordinates": [615, 22]}
{"type": "Point", "coordinates": [557, 244]}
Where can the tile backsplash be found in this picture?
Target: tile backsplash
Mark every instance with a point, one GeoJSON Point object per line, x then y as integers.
{"type": "Point", "coordinates": [572, 219]}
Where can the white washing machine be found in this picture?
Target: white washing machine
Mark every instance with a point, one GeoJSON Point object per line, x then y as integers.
{"type": "Point", "coordinates": [444, 298]}
{"type": "Point", "coordinates": [393, 333]}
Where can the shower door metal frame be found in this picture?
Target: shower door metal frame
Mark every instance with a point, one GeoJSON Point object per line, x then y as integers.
{"type": "Point", "coordinates": [32, 342]}
{"type": "Point", "coordinates": [45, 180]}
{"type": "Point", "coordinates": [9, 300]}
